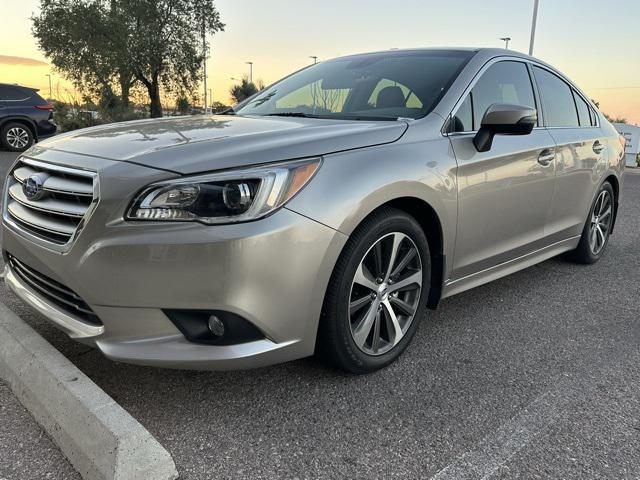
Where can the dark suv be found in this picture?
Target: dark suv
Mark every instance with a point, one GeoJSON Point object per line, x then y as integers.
{"type": "Point", "coordinates": [25, 117]}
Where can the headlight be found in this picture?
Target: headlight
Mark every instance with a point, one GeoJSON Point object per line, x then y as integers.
{"type": "Point", "coordinates": [227, 197]}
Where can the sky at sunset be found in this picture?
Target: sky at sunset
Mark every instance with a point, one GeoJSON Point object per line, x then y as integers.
{"type": "Point", "coordinates": [595, 42]}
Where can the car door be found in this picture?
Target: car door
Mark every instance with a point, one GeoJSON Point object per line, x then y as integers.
{"type": "Point", "coordinates": [580, 146]}
{"type": "Point", "coordinates": [504, 194]}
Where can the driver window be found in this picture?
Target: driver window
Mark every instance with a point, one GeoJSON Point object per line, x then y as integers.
{"type": "Point", "coordinates": [502, 82]}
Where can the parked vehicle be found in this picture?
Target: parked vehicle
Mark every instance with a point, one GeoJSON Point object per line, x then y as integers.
{"type": "Point", "coordinates": [25, 117]}
{"type": "Point", "coordinates": [325, 213]}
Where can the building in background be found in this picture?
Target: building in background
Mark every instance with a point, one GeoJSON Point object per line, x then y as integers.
{"type": "Point", "coordinates": [632, 147]}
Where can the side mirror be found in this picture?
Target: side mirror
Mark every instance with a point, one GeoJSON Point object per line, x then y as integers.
{"type": "Point", "coordinates": [504, 119]}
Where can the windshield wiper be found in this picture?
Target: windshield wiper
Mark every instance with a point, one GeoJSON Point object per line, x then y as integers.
{"type": "Point", "coordinates": [291, 114]}
{"type": "Point", "coordinates": [228, 111]}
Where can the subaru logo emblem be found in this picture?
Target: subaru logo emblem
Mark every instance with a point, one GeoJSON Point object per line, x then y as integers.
{"type": "Point", "coordinates": [33, 188]}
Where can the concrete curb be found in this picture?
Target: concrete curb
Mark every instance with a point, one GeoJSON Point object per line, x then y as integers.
{"type": "Point", "coordinates": [100, 439]}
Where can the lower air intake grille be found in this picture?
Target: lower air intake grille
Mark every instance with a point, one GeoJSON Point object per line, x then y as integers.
{"type": "Point", "coordinates": [53, 291]}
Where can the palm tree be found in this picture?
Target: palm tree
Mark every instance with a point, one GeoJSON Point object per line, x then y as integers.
{"type": "Point", "coordinates": [243, 90]}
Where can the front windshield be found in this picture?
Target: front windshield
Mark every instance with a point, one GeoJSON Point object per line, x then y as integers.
{"type": "Point", "coordinates": [378, 86]}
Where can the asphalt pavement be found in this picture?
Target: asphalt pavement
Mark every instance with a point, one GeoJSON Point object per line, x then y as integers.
{"type": "Point", "coordinates": [535, 375]}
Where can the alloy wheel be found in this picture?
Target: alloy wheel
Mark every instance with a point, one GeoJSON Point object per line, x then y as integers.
{"type": "Point", "coordinates": [600, 222]}
{"type": "Point", "coordinates": [385, 293]}
{"type": "Point", "coordinates": [18, 137]}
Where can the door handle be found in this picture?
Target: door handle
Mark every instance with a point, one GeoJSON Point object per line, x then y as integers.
{"type": "Point", "coordinates": [598, 147]}
{"type": "Point", "coordinates": [546, 156]}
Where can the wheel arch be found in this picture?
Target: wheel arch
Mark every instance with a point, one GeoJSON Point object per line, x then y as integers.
{"type": "Point", "coordinates": [615, 184]}
{"type": "Point", "coordinates": [26, 121]}
{"type": "Point", "coordinates": [426, 215]}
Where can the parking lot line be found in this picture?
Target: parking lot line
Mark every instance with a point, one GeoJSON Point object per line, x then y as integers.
{"type": "Point", "coordinates": [495, 450]}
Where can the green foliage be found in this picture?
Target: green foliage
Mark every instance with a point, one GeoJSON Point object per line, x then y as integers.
{"type": "Point", "coordinates": [105, 46]}
{"type": "Point", "coordinates": [615, 119]}
{"type": "Point", "coordinates": [183, 105]}
{"type": "Point", "coordinates": [243, 90]}
{"type": "Point", "coordinates": [84, 42]}
{"type": "Point", "coordinates": [218, 107]}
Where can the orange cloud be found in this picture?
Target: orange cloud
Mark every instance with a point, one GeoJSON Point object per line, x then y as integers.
{"type": "Point", "coordinates": [30, 62]}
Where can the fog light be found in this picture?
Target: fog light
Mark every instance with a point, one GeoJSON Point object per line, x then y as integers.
{"type": "Point", "coordinates": [216, 326]}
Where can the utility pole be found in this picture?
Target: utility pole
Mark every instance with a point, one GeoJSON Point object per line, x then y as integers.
{"type": "Point", "coordinates": [506, 42]}
{"type": "Point", "coordinates": [534, 20]}
{"type": "Point", "coordinates": [204, 63]}
{"type": "Point", "coordinates": [50, 91]}
{"type": "Point", "coordinates": [250, 71]}
{"type": "Point", "coordinates": [315, 59]}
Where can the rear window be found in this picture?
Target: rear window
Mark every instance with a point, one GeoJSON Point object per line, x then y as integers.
{"type": "Point", "coordinates": [558, 103]}
{"type": "Point", "coordinates": [14, 94]}
{"type": "Point", "coordinates": [584, 114]}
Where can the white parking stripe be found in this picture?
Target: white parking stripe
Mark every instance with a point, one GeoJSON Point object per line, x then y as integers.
{"type": "Point", "coordinates": [496, 449]}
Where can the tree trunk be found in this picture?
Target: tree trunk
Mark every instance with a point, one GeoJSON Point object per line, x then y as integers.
{"type": "Point", "coordinates": [125, 88]}
{"type": "Point", "coordinates": [154, 97]}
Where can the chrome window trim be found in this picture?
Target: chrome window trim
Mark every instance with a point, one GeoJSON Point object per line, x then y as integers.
{"type": "Point", "coordinates": [14, 227]}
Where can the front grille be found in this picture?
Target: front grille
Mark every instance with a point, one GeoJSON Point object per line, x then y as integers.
{"type": "Point", "coordinates": [57, 212]}
{"type": "Point", "coordinates": [53, 291]}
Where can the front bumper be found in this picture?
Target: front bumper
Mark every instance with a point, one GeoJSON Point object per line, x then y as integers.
{"type": "Point", "coordinates": [272, 272]}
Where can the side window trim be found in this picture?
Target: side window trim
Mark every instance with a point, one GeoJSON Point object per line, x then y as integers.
{"type": "Point", "coordinates": [474, 81]}
{"type": "Point", "coordinates": [536, 96]}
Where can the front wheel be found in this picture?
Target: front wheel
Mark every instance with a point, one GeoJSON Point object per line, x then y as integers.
{"type": "Point", "coordinates": [377, 293]}
{"type": "Point", "coordinates": [595, 234]}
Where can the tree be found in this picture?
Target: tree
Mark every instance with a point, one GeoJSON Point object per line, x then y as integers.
{"type": "Point", "coordinates": [165, 42]}
{"type": "Point", "coordinates": [78, 37]}
{"type": "Point", "coordinates": [615, 119]}
{"type": "Point", "coordinates": [102, 43]}
{"type": "Point", "coordinates": [183, 106]}
{"type": "Point", "coordinates": [243, 90]}
{"type": "Point", "coordinates": [218, 107]}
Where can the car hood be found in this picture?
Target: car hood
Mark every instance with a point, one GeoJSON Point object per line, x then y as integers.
{"type": "Point", "coordinates": [203, 143]}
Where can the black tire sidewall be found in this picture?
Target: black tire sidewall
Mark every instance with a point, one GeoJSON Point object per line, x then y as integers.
{"type": "Point", "coordinates": [5, 130]}
{"type": "Point", "coordinates": [583, 253]}
{"type": "Point", "coordinates": [349, 355]}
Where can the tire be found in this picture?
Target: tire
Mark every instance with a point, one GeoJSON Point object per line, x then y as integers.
{"type": "Point", "coordinates": [16, 137]}
{"type": "Point", "coordinates": [597, 228]}
{"type": "Point", "coordinates": [359, 333]}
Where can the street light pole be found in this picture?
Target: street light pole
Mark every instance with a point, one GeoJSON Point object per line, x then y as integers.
{"type": "Point", "coordinates": [506, 42]}
{"type": "Point", "coordinates": [534, 20]}
{"type": "Point", "coordinates": [50, 91]}
{"type": "Point", "coordinates": [204, 63]}
{"type": "Point", "coordinates": [250, 71]}
{"type": "Point", "coordinates": [315, 59]}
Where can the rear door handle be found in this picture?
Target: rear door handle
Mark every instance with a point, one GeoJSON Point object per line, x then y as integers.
{"type": "Point", "coordinates": [598, 147]}
{"type": "Point", "coordinates": [546, 156]}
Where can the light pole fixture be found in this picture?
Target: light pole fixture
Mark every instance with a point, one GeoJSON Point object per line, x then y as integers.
{"type": "Point", "coordinates": [534, 20]}
{"type": "Point", "coordinates": [250, 71]}
{"type": "Point", "coordinates": [315, 59]}
{"type": "Point", "coordinates": [506, 41]}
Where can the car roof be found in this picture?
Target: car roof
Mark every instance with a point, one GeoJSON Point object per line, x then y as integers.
{"type": "Point", "coordinates": [19, 86]}
{"type": "Point", "coordinates": [484, 52]}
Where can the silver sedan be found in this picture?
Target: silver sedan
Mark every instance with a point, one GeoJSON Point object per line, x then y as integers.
{"type": "Point", "coordinates": [325, 214]}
